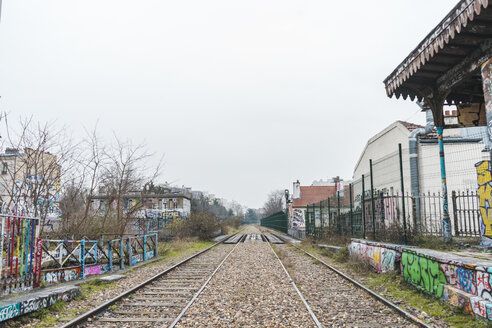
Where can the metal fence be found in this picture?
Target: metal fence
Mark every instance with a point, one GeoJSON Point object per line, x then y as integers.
{"type": "Point", "coordinates": [278, 221]}
{"type": "Point", "coordinates": [65, 260]}
{"type": "Point", "coordinates": [380, 206]}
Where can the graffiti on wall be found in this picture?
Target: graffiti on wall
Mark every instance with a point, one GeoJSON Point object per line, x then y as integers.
{"type": "Point", "coordinates": [484, 283]}
{"type": "Point", "coordinates": [484, 179]}
{"type": "Point", "coordinates": [381, 259]}
{"type": "Point", "coordinates": [94, 269]}
{"type": "Point", "coordinates": [62, 275]}
{"type": "Point", "coordinates": [37, 302]}
{"type": "Point", "coordinates": [423, 273]}
{"type": "Point", "coordinates": [298, 218]}
{"type": "Point", "coordinates": [10, 311]}
{"type": "Point", "coordinates": [385, 209]}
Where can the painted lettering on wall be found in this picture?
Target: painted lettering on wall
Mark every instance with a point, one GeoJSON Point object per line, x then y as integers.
{"type": "Point", "coordinates": [423, 273]}
{"type": "Point", "coordinates": [10, 311]}
{"type": "Point", "coordinates": [381, 259]}
{"type": "Point", "coordinates": [484, 179]}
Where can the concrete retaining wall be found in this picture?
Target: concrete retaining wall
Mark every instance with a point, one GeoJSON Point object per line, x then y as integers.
{"type": "Point", "coordinates": [35, 301]}
{"type": "Point", "coordinates": [461, 281]}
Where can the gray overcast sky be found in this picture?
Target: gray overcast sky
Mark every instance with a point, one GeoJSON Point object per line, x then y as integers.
{"type": "Point", "coordinates": [242, 97]}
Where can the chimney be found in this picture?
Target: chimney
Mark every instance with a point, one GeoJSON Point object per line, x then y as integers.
{"type": "Point", "coordinates": [296, 190]}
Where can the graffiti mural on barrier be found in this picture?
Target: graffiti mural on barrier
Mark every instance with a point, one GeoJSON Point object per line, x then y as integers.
{"type": "Point", "coordinates": [423, 273]}
{"type": "Point", "coordinates": [9, 311]}
{"type": "Point", "coordinates": [62, 275]}
{"type": "Point", "coordinates": [137, 258]}
{"type": "Point", "coordinates": [298, 218]}
{"type": "Point", "coordinates": [457, 298]}
{"type": "Point", "coordinates": [484, 283]}
{"type": "Point", "coordinates": [380, 258]}
{"type": "Point", "coordinates": [484, 179]}
{"type": "Point", "coordinates": [36, 303]}
{"type": "Point", "coordinates": [460, 278]}
{"type": "Point", "coordinates": [94, 269]}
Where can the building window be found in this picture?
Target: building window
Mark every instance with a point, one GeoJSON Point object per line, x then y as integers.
{"type": "Point", "coordinates": [4, 168]}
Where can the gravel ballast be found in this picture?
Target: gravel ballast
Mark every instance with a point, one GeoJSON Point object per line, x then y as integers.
{"type": "Point", "coordinates": [250, 290]}
{"type": "Point", "coordinates": [336, 302]}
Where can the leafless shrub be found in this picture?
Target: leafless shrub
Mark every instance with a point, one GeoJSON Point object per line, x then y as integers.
{"type": "Point", "coordinates": [200, 225]}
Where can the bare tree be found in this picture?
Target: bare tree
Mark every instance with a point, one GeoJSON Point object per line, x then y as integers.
{"type": "Point", "coordinates": [275, 203]}
{"type": "Point", "coordinates": [44, 173]}
{"type": "Point", "coordinates": [33, 166]}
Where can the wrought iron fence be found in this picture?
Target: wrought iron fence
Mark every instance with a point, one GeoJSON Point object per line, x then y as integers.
{"type": "Point", "coordinates": [383, 217]}
{"type": "Point", "coordinates": [466, 213]}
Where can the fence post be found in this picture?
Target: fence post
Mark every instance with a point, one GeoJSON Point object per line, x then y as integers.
{"type": "Point", "coordinates": [402, 195]}
{"type": "Point", "coordinates": [130, 251]}
{"type": "Point", "coordinates": [363, 200]}
{"type": "Point", "coordinates": [37, 266]}
{"type": "Point", "coordinates": [82, 259]}
{"type": "Point", "coordinates": [156, 244]}
{"type": "Point", "coordinates": [330, 218]}
{"type": "Point", "coordinates": [122, 254]}
{"type": "Point", "coordinates": [373, 210]}
{"type": "Point", "coordinates": [446, 223]}
{"type": "Point", "coordinates": [110, 255]}
{"type": "Point", "coordinates": [351, 208]}
{"type": "Point", "coordinates": [145, 247]}
{"type": "Point", "coordinates": [321, 223]}
{"type": "Point", "coordinates": [339, 226]}
{"type": "Point", "coordinates": [455, 213]}
{"type": "Point", "coordinates": [1, 246]}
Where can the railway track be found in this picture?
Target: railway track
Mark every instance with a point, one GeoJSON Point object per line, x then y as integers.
{"type": "Point", "coordinates": [406, 315]}
{"type": "Point", "coordinates": [273, 239]}
{"type": "Point", "coordinates": [161, 300]}
{"type": "Point", "coordinates": [164, 300]}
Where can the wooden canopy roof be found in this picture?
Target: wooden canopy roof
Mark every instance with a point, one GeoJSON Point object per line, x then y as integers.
{"type": "Point", "coordinates": [446, 64]}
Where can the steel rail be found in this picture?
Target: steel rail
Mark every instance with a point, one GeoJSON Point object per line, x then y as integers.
{"type": "Point", "coordinates": [375, 295]}
{"type": "Point", "coordinates": [311, 313]}
{"type": "Point", "coordinates": [83, 317]}
{"type": "Point", "coordinates": [178, 318]}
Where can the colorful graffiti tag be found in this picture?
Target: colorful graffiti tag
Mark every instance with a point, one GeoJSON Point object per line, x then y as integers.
{"type": "Point", "coordinates": [298, 218]}
{"type": "Point", "coordinates": [484, 179]}
{"type": "Point", "coordinates": [38, 302]}
{"type": "Point", "coordinates": [423, 273]}
{"type": "Point", "coordinates": [10, 311]}
{"type": "Point", "coordinates": [61, 275]}
{"type": "Point", "coordinates": [381, 259]}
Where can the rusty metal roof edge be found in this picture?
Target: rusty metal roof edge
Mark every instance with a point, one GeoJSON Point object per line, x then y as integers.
{"type": "Point", "coordinates": [426, 49]}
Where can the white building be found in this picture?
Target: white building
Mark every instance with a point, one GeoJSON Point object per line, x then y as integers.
{"type": "Point", "coordinates": [463, 148]}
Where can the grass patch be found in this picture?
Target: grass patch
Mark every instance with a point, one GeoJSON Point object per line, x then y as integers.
{"type": "Point", "coordinates": [436, 243]}
{"type": "Point", "coordinates": [93, 286]}
{"type": "Point", "coordinates": [177, 247]}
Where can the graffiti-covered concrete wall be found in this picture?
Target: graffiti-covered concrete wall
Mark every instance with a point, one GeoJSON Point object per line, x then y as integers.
{"type": "Point", "coordinates": [380, 257]}
{"type": "Point", "coordinates": [33, 302]}
{"type": "Point", "coordinates": [461, 281]}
